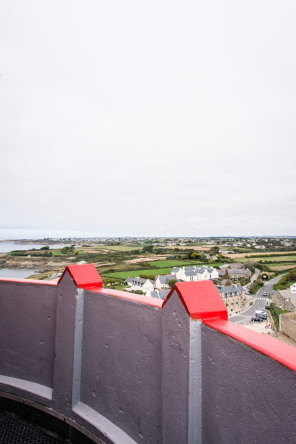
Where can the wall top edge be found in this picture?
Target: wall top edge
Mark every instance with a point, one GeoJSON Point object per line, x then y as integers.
{"type": "Point", "coordinates": [128, 296]}
{"type": "Point", "coordinates": [28, 281]}
{"type": "Point", "coordinates": [279, 351]}
{"type": "Point", "coordinates": [200, 299]}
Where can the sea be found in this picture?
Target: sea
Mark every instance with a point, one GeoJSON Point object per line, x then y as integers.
{"type": "Point", "coordinates": [7, 246]}
{"type": "Point", "coordinates": [16, 273]}
{"type": "Point", "coordinates": [20, 273]}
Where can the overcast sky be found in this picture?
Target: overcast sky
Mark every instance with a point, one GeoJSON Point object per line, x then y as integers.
{"type": "Point", "coordinates": [148, 117]}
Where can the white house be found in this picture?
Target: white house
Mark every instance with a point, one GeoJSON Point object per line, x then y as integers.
{"type": "Point", "coordinates": [162, 282]}
{"type": "Point", "coordinates": [188, 274]}
{"type": "Point", "coordinates": [158, 294]}
{"type": "Point", "coordinates": [138, 283]}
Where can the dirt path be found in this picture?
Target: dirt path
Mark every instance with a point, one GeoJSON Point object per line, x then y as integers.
{"type": "Point", "coordinates": [146, 259]}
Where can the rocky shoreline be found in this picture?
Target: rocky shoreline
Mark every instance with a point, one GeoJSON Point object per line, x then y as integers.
{"type": "Point", "coordinates": [43, 264]}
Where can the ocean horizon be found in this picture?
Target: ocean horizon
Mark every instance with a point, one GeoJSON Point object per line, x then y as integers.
{"type": "Point", "coordinates": [27, 233]}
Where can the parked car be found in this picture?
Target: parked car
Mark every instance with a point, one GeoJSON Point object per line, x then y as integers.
{"type": "Point", "coordinates": [267, 307]}
{"type": "Point", "coordinates": [263, 317]}
{"type": "Point", "coordinates": [260, 312]}
{"type": "Point", "coordinates": [256, 319]}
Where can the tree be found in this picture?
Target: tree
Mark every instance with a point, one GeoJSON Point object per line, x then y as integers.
{"type": "Point", "coordinates": [213, 251]}
{"type": "Point", "coordinates": [147, 249]}
{"type": "Point", "coordinates": [172, 282]}
{"type": "Point", "coordinates": [195, 256]}
{"type": "Point", "coordinates": [147, 276]}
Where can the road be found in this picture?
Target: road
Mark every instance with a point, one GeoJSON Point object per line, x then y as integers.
{"type": "Point", "coordinates": [259, 303]}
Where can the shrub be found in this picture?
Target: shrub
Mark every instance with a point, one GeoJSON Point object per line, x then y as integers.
{"type": "Point", "coordinates": [275, 313]}
{"type": "Point", "coordinates": [256, 285]}
{"type": "Point", "coordinates": [287, 280]}
{"type": "Point", "coordinates": [172, 282]}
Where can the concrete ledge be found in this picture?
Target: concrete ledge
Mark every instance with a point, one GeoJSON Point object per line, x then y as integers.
{"type": "Point", "coordinates": [28, 386]}
{"type": "Point", "coordinates": [28, 281]}
{"type": "Point", "coordinates": [102, 424]}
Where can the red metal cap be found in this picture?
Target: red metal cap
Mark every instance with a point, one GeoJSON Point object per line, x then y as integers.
{"type": "Point", "coordinates": [201, 300]}
{"type": "Point", "coordinates": [84, 276]}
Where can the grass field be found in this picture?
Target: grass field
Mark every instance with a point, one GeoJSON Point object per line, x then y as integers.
{"type": "Point", "coordinates": [279, 259]}
{"type": "Point", "coordinates": [177, 263]}
{"type": "Point", "coordinates": [173, 263]}
{"type": "Point", "coordinates": [273, 259]}
{"type": "Point", "coordinates": [277, 267]}
{"type": "Point", "coordinates": [135, 273]}
{"type": "Point", "coordinates": [120, 247]}
{"type": "Point", "coordinates": [255, 255]}
{"type": "Point", "coordinates": [164, 267]}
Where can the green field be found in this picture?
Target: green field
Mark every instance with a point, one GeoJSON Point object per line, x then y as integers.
{"type": "Point", "coordinates": [164, 267]}
{"type": "Point", "coordinates": [119, 247]}
{"type": "Point", "coordinates": [135, 273]}
{"type": "Point", "coordinates": [173, 263]}
{"type": "Point", "coordinates": [274, 266]}
{"type": "Point", "coordinates": [177, 263]}
{"type": "Point", "coordinates": [279, 259]}
{"type": "Point", "coordinates": [273, 259]}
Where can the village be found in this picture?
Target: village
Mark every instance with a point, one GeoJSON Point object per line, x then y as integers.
{"type": "Point", "coordinates": [233, 295]}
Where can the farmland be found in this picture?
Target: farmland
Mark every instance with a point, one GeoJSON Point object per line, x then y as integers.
{"type": "Point", "coordinates": [118, 259]}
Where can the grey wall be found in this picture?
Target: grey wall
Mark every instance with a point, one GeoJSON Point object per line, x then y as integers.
{"type": "Point", "coordinates": [247, 397]}
{"type": "Point", "coordinates": [27, 331]}
{"type": "Point", "coordinates": [129, 372]}
{"type": "Point", "coordinates": [121, 365]}
{"type": "Point", "coordinates": [64, 345]}
{"type": "Point", "coordinates": [175, 376]}
{"type": "Point", "coordinates": [112, 364]}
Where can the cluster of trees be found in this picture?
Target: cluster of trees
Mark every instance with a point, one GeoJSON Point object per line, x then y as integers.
{"type": "Point", "coordinates": [33, 253]}
{"type": "Point", "coordinates": [147, 276]}
{"type": "Point", "coordinates": [193, 255]}
{"type": "Point", "coordinates": [256, 285]}
{"type": "Point", "coordinates": [66, 250]}
{"type": "Point", "coordinates": [287, 280]}
{"type": "Point", "coordinates": [249, 265]}
{"type": "Point", "coordinates": [172, 282]}
{"type": "Point", "coordinates": [214, 251]}
{"type": "Point", "coordinates": [151, 249]}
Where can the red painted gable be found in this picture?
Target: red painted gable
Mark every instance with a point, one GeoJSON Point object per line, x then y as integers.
{"type": "Point", "coordinates": [84, 276]}
{"type": "Point", "coordinates": [201, 300]}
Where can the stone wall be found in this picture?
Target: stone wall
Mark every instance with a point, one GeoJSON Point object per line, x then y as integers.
{"type": "Point", "coordinates": [282, 301]}
{"type": "Point", "coordinates": [288, 324]}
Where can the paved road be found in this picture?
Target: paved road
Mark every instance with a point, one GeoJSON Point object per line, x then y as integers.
{"type": "Point", "coordinates": [259, 303]}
